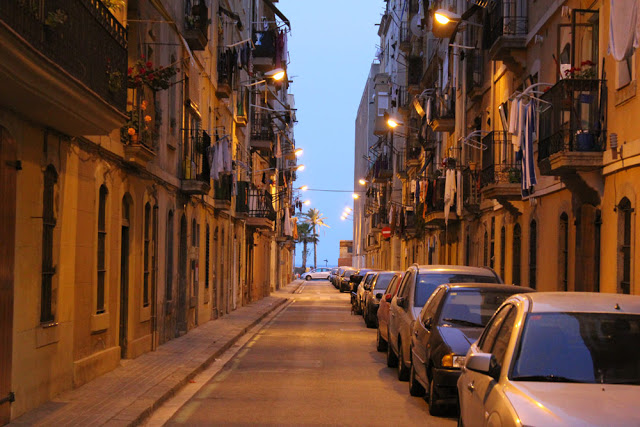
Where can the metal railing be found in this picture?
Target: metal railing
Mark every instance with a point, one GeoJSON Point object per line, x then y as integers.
{"type": "Point", "coordinates": [261, 126]}
{"type": "Point", "coordinates": [382, 167]}
{"type": "Point", "coordinates": [499, 165]}
{"type": "Point", "coordinates": [196, 164]}
{"type": "Point", "coordinates": [222, 188]}
{"type": "Point", "coordinates": [81, 36]}
{"type": "Point", "coordinates": [575, 119]}
{"type": "Point", "coordinates": [261, 204]}
{"type": "Point", "coordinates": [402, 97]}
{"type": "Point", "coordinates": [506, 18]}
{"type": "Point", "coordinates": [227, 66]}
{"type": "Point", "coordinates": [470, 188]}
{"type": "Point", "coordinates": [242, 199]}
{"type": "Point", "coordinates": [475, 69]}
{"type": "Point", "coordinates": [405, 34]}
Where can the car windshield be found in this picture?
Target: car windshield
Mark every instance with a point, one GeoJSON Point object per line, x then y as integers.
{"type": "Point", "coordinates": [471, 307]}
{"type": "Point", "coordinates": [348, 273]}
{"type": "Point", "coordinates": [579, 347]}
{"type": "Point", "coordinates": [383, 281]}
{"type": "Point", "coordinates": [428, 282]}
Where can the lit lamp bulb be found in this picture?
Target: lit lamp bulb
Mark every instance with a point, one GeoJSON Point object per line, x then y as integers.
{"type": "Point", "coordinates": [363, 182]}
{"type": "Point", "coordinates": [348, 209]}
{"type": "Point", "coordinates": [304, 188]}
{"type": "Point", "coordinates": [442, 19]}
{"type": "Point", "coordinates": [278, 76]}
{"type": "Point", "coordinates": [355, 196]}
{"type": "Point", "coordinates": [392, 123]}
{"type": "Point", "coordinates": [300, 168]}
{"type": "Point", "coordinates": [307, 202]}
{"type": "Point", "coordinates": [298, 152]}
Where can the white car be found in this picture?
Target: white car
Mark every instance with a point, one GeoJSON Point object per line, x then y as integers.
{"type": "Point", "coordinates": [319, 273]}
{"type": "Point", "coordinates": [555, 359]}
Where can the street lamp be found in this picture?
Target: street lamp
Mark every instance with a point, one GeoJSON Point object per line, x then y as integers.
{"type": "Point", "coordinates": [443, 16]}
{"type": "Point", "coordinates": [363, 182]}
{"type": "Point", "coordinates": [275, 74]}
{"type": "Point", "coordinates": [306, 202]}
{"type": "Point", "coordinates": [355, 196]}
{"type": "Point", "coordinates": [303, 188]}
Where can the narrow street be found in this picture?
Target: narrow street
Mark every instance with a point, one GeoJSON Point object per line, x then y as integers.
{"type": "Point", "coordinates": [314, 363]}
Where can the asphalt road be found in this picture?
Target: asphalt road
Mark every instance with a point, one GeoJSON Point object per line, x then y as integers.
{"type": "Point", "coordinates": [313, 364]}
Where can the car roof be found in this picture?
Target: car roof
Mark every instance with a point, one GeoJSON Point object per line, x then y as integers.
{"type": "Point", "coordinates": [584, 302]}
{"type": "Point", "coordinates": [486, 271]}
{"type": "Point", "coordinates": [489, 286]}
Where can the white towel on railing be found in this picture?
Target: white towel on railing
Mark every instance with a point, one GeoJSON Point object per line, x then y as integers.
{"type": "Point", "coordinates": [449, 192]}
{"type": "Point", "coordinates": [624, 28]}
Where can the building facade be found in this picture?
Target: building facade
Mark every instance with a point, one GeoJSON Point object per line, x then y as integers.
{"type": "Point", "coordinates": [525, 162]}
{"type": "Point", "coordinates": [147, 171]}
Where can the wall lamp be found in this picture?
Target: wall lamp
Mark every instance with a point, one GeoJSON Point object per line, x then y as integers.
{"type": "Point", "coordinates": [275, 74]}
{"type": "Point", "coordinates": [296, 168]}
{"type": "Point", "coordinates": [363, 182]}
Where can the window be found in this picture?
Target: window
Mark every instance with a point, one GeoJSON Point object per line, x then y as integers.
{"type": "Point", "coordinates": [486, 249]}
{"type": "Point", "coordinates": [503, 250]}
{"type": "Point", "coordinates": [47, 314]}
{"type": "Point", "coordinates": [563, 259]}
{"type": "Point", "coordinates": [492, 247]}
{"type": "Point", "coordinates": [491, 331]}
{"type": "Point", "coordinates": [624, 236]}
{"type": "Point", "coordinates": [102, 239]}
{"type": "Point", "coordinates": [502, 340]}
{"type": "Point", "coordinates": [431, 307]}
{"type": "Point", "coordinates": [206, 260]}
{"type": "Point", "coordinates": [145, 255]}
{"type": "Point", "coordinates": [517, 239]}
{"type": "Point", "coordinates": [169, 256]}
{"type": "Point", "coordinates": [533, 259]}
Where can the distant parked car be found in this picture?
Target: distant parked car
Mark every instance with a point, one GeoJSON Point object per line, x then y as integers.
{"type": "Point", "coordinates": [336, 278]}
{"type": "Point", "coordinates": [449, 322]}
{"type": "Point", "coordinates": [332, 274]}
{"type": "Point", "coordinates": [356, 278]}
{"type": "Point", "coordinates": [366, 281]}
{"type": "Point", "coordinates": [383, 311]}
{"type": "Point", "coordinates": [318, 273]}
{"type": "Point", "coordinates": [555, 358]}
{"type": "Point", "coordinates": [372, 296]}
{"type": "Point", "coordinates": [418, 284]}
{"type": "Point", "coordinates": [344, 284]}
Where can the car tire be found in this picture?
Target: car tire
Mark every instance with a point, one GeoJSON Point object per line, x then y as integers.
{"type": "Point", "coordinates": [392, 359]}
{"type": "Point", "coordinates": [308, 278]}
{"type": "Point", "coordinates": [368, 320]}
{"type": "Point", "coordinates": [415, 388]}
{"type": "Point", "coordinates": [381, 344]}
{"type": "Point", "coordinates": [403, 371]}
{"type": "Point", "coordinates": [434, 407]}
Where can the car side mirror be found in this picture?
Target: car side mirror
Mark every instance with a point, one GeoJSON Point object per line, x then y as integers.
{"type": "Point", "coordinates": [427, 324]}
{"type": "Point", "coordinates": [483, 363]}
{"type": "Point", "coordinates": [401, 301]}
{"type": "Point", "coordinates": [387, 298]}
{"type": "Point", "coordinates": [379, 296]}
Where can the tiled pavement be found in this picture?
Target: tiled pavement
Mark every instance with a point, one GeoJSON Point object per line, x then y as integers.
{"type": "Point", "coordinates": [128, 394]}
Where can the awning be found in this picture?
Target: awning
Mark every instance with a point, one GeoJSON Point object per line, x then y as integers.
{"type": "Point", "coordinates": [277, 12]}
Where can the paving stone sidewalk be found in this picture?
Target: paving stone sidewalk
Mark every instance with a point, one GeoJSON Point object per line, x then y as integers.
{"type": "Point", "coordinates": [129, 394]}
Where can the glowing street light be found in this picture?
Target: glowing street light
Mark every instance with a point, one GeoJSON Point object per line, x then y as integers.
{"type": "Point", "coordinates": [298, 152]}
{"type": "Point", "coordinates": [355, 196]}
{"type": "Point", "coordinates": [307, 202]}
{"type": "Point", "coordinates": [363, 181]}
{"type": "Point", "coordinates": [303, 188]}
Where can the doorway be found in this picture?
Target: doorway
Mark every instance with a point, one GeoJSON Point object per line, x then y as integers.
{"type": "Point", "coordinates": [124, 274]}
{"type": "Point", "coordinates": [8, 174]}
{"type": "Point", "coordinates": [181, 323]}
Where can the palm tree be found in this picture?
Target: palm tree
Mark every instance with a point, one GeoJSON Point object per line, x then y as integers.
{"type": "Point", "coordinates": [304, 237]}
{"type": "Point", "coordinates": [315, 219]}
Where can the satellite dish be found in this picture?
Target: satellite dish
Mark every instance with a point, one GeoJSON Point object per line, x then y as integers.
{"type": "Point", "coordinates": [416, 26]}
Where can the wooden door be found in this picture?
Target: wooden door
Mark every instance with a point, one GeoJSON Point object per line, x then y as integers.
{"type": "Point", "coordinates": [8, 172]}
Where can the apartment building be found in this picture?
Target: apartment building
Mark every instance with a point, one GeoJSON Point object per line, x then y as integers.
{"type": "Point", "coordinates": [525, 162]}
{"type": "Point", "coordinates": [147, 170]}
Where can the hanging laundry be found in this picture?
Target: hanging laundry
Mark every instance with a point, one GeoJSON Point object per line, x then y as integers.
{"type": "Point", "coordinates": [287, 223]}
{"type": "Point", "coordinates": [449, 192]}
{"type": "Point", "coordinates": [529, 179]}
{"type": "Point", "coordinates": [459, 193]}
{"type": "Point", "coordinates": [624, 28]}
{"type": "Point", "coordinates": [513, 116]}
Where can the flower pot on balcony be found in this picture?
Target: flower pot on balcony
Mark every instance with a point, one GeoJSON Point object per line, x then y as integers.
{"type": "Point", "coordinates": [584, 141]}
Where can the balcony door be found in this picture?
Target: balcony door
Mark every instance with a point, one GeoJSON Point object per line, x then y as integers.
{"type": "Point", "coordinates": [8, 172]}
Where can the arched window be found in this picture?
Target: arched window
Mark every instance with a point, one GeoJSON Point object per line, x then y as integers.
{"type": "Point", "coordinates": [503, 250]}
{"type": "Point", "coordinates": [533, 257]}
{"type": "Point", "coordinates": [563, 259]}
{"type": "Point", "coordinates": [102, 249]}
{"type": "Point", "coordinates": [486, 249]}
{"type": "Point", "coordinates": [169, 255]}
{"type": "Point", "coordinates": [146, 254]}
{"type": "Point", "coordinates": [517, 240]}
{"type": "Point", "coordinates": [47, 313]}
{"type": "Point", "coordinates": [624, 237]}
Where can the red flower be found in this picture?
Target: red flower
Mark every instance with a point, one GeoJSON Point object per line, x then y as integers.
{"type": "Point", "coordinates": [149, 64]}
{"type": "Point", "coordinates": [129, 71]}
{"type": "Point", "coordinates": [151, 77]}
{"type": "Point", "coordinates": [587, 62]}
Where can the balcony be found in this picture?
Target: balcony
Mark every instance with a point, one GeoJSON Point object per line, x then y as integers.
{"type": "Point", "coordinates": [63, 64]}
{"type": "Point", "coordinates": [435, 216]}
{"type": "Point", "coordinates": [471, 190]}
{"type": "Point", "coordinates": [501, 176]}
{"type": "Point", "coordinates": [413, 154]}
{"type": "Point", "coordinates": [222, 189]}
{"type": "Point", "coordinates": [382, 169]}
{"type": "Point", "coordinates": [242, 107]}
{"type": "Point", "coordinates": [196, 26]}
{"type": "Point", "coordinates": [227, 69]}
{"type": "Point", "coordinates": [242, 199]}
{"type": "Point", "coordinates": [475, 74]}
{"type": "Point", "coordinates": [262, 134]}
{"type": "Point", "coordinates": [195, 178]}
{"type": "Point", "coordinates": [402, 99]}
{"type": "Point", "coordinates": [414, 74]}
{"type": "Point", "coordinates": [444, 115]}
{"type": "Point", "coordinates": [506, 32]}
{"type": "Point", "coordinates": [572, 134]}
{"type": "Point", "coordinates": [405, 37]}
{"type": "Point", "coordinates": [261, 212]}
{"type": "Point", "coordinates": [264, 54]}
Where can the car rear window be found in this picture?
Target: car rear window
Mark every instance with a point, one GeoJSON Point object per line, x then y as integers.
{"type": "Point", "coordinates": [471, 307]}
{"type": "Point", "coordinates": [383, 281]}
{"type": "Point", "coordinates": [428, 282]}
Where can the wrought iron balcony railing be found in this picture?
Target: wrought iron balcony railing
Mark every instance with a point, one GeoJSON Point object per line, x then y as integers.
{"type": "Point", "coordinates": [196, 165]}
{"type": "Point", "coordinates": [261, 205]}
{"type": "Point", "coordinates": [261, 126]}
{"type": "Point", "coordinates": [242, 199]}
{"type": "Point", "coordinates": [81, 36]}
{"type": "Point", "coordinates": [506, 18]}
{"type": "Point", "coordinates": [382, 168]}
{"type": "Point", "coordinates": [196, 26]}
{"type": "Point", "coordinates": [499, 165]}
{"type": "Point", "coordinates": [575, 120]}
{"type": "Point", "coordinates": [222, 188]}
{"type": "Point", "coordinates": [227, 68]}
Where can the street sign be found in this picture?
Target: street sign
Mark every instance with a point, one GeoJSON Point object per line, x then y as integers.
{"type": "Point", "coordinates": [386, 232]}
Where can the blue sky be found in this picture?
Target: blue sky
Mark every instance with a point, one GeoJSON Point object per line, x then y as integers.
{"type": "Point", "coordinates": [331, 46]}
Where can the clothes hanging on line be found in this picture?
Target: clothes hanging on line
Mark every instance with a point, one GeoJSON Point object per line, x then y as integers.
{"type": "Point", "coordinates": [449, 192]}
{"type": "Point", "coordinates": [529, 179]}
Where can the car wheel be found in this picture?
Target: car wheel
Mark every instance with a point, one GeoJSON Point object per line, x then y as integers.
{"type": "Point", "coordinates": [381, 344]}
{"type": "Point", "coordinates": [392, 359]}
{"type": "Point", "coordinates": [368, 318]}
{"type": "Point", "coordinates": [415, 388]}
{"type": "Point", "coordinates": [308, 277]}
{"type": "Point", "coordinates": [403, 371]}
{"type": "Point", "coordinates": [434, 407]}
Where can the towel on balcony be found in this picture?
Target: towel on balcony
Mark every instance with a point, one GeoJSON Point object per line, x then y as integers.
{"type": "Point", "coordinates": [624, 28]}
{"type": "Point", "coordinates": [513, 116]}
{"type": "Point", "coordinates": [459, 193]}
{"type": "Point", "coordinates": [287, 223]}
{"type": "Point", "coordinates": [449, 192]}
{"type": "Point", "coordinates": [528, 165]}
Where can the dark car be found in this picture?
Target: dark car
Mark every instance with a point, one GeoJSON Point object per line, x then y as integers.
{"type": "Point", "coordinates": [344, 282]}
{"type": "Point", "coordinates": [356, 278]}
{"type": "Point", "coordinates": [336, 278]}
{"type": "Point", "coordinates": [383, 311]}
{"type": "Point", "coordinates": [451, 320]}
{"type": "Point", "coordinates": [372, 295]}
{"type": "Point", "coordinates": [332, 274]}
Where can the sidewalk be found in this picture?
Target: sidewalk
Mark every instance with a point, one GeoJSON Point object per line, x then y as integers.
{"type": "Point", "coordinates": [128, 394]}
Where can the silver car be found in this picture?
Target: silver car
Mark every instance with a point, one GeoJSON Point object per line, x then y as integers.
{"type": "Point", "coordinates": [555, 358]}
{"type": "Point", "coordinates": [417, 285]}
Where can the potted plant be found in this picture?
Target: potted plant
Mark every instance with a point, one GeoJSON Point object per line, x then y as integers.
{"type": "Point", "coordinates": [514, 175]}
{"type": "Point", "coordinates": [144, 73]}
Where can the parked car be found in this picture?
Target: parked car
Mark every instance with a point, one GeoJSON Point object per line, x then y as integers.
{"type": "Point", "coordinates": [383, 311]}
{"type": "Point", "coordinates": [372, 296]}
{"type": "Point", "coordinates": [336, 278]}
{"type": "Point", "coordinates": [555, 358]}
{"type": "Point", "coordinates": [453, 318]}
{"type": "Point", "coordinates": [356, 278]}
{"type": "Point", "coordinates": [417, 285]}
{"type": "Point", "coordinates": [368, 278]}
{"type": "Point", "coordinates": [318, 273]}
{"type": "Point", "coordinates": [344, 284]}
{"type": "Point", "coordinates": [332, 274]}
